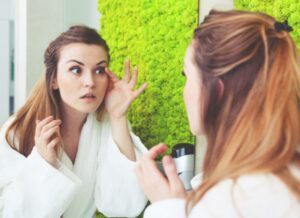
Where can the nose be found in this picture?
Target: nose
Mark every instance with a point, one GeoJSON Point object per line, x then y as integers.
{"type": "Point", "coordinates": [89, 80]}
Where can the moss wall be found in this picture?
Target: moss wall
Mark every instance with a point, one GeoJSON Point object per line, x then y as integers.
{"type": "Point", "coordinates": [279, 9]}
{"type": "Point", "coordinates": [154, 35]}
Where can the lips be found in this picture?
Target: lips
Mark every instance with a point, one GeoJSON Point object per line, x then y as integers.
{"type": "Point", "coordinates": [88, 96]}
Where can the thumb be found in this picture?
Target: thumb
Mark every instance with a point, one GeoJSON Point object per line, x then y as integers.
{"type": "Point", "coordinates": [175, 183]}
{"type": "Point", "coordinates": [109, 86]}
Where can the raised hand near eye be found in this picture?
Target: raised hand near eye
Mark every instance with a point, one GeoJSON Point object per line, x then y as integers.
{"type": "Point", "coordinates": [47, 137]}
{"type": "Point", "coordinates": [121, 93]}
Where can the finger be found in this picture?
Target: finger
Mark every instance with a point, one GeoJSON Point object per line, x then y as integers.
{"type": "Point", "coordinates": [111, 75]}
{"type": "Point", "coordinates": [53, 143]}
{"type": "Point", "coordinates": [51, 124]}
{"type": "Point", "coordinates": [47, 135]}
{"type": "Point", "coordinates": [156, 150]}
{"type": "Point", "coordinates": [139, 173]}
{"type": "Point", "coordinates": [133, 80]}
{"type": "Point", "coordinates": [150, 174]}
{"type": "Point", "coordinates": [37, 130]}
{"type": "Point", "coordinates": [140, 90]}
{"type": "Point", "coordinates": [40, 124]}
{"type": "Point", "coordinates": [173, 178]}
{"type": "Point", "coordinates": [126, 77]}
{"type": "Point", "coordinates": [44, 122]}
{"type": "Point", "coordinates": [51, 152]}
{"type": "Point", "coordinates": [109, 87]}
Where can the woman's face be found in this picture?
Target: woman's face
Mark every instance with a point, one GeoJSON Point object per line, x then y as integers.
{"type": "Point", "coordinates": [81, 79]}
{"type": "Point", "coordinates": [192, 92]}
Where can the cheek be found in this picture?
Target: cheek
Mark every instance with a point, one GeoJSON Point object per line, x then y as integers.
{"type": "Point", "coordinates": [189, 96]}
{"type": "Point", "coordinates": [66, 85]}
{"type": "Point", "coordinates": [185, 95]}
{"type": "Point", "coordinates": [193, 107]}
{"type": "Point", "coordinates": [70, 88]}
{"type": "Point", "coordinates": [103, 83]}
{"type": "Point", "coordinates": [188, 101]}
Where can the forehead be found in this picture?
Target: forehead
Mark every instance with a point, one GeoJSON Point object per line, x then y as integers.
{"type": "Point", "coordinates": [190, 67]}
{"type": "Point", "coordinates": [83, 52]}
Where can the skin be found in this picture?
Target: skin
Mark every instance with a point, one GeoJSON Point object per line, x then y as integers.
{"type": "Point", "coordinates": [82, 69]}
{"type": "Point", "coordinates": [192, 92]}
{"type": "Point", "coordinates": [153, 183]}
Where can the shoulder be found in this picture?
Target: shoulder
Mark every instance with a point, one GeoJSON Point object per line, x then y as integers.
{"type": "Point", "coordinates": [243, 197]}
{"type": "Point", "coordinates": [5, 126]}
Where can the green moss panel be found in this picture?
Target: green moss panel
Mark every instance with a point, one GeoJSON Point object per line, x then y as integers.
{"type": "Point", "coordinates": [280, 9]}
{"type": "Point", "coordinates": [154, 35]}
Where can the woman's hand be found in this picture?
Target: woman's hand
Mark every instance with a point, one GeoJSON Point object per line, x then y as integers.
{"type": "Point", "coordinates": [152, 181]}
{"type": "Point", "coordinates": [47, 137]}
{"type": "Point", "coordinates": [121, 93]}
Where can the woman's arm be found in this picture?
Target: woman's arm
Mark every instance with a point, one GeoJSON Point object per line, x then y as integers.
{"type": "Point", "coordinates": [121, 136]}
{"type": "Point", "coordinates": [120, 95]}
{"type": "Point", "coordinates": [117, 192]}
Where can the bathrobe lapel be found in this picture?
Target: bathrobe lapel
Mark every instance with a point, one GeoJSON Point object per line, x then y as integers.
{"type": "Point", "coordinates": [85, 167]}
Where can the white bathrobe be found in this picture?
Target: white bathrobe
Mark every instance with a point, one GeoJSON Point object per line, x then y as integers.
{"type": "Point", "coordinates": [260, 195]}
{"type": "Point", "coordinates": [101, 178]}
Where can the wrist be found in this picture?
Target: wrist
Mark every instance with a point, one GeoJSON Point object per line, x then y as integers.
{"type": "Point", "coordinates": [55, 163]}
{"type": "Point", "coordinates": [117, 120]}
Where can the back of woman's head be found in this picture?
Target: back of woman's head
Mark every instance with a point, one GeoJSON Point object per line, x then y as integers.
{"type": "Point", "coordinates": [44, 100]}
{"type": "Point", "coordinates": [254, 126]}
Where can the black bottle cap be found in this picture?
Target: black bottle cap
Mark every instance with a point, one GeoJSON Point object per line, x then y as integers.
{"type": "Point", "coordinates": [182, 149]}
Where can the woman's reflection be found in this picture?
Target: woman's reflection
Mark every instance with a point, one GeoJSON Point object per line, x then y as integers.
{"type": "Point", "coordinates": [69, 151]}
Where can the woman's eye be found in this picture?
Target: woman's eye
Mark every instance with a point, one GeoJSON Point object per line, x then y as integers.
{"type": "Point", "coordinates": [100, 70]}
{"type": "Point", "coordinates": [75, 70]}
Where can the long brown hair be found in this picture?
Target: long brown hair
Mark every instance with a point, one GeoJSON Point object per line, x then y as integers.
{"type": "Point", "coordinates": [255, 126]}
{"type": "Point", "coordinates": [44, 100]}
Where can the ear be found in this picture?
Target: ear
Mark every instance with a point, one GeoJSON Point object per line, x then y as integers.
{"type": "Point", "coordinates": [54, 84]}
{"type": "Point", "coordinates": [220, 87]}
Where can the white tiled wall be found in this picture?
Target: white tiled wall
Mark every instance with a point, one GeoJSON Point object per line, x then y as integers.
{"type": "Point", "coordinates": [207, 5]}
{"type": "Point", "coordinates": [37, 23]}
{"type": "Point", "coordinates": [6, 46]}
{"type": "Point", "coordinates": [5, 69]}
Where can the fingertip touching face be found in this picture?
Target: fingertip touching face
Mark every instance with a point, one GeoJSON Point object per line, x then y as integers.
{"type": "Point", "coordinates": [81, 78]}
{"type": "Point", "coordinates": [192, 92]}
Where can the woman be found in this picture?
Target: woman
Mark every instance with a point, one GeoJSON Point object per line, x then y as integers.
{"type": "Point", "coordinates": [242, 93]}
{"type": "Point", "coordinates": [63, 154]}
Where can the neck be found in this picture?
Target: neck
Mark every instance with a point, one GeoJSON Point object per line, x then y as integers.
{"type": "Point", "coordinates": [72, 120]}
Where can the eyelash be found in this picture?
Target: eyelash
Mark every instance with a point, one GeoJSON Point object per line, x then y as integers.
{"type": "Point", "coordinates": [101, 69]}
{"type": "Point", "coordinates": [78, 70]}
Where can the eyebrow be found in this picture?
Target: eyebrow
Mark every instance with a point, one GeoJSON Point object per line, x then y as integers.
{"type": "Point", "coordinates": [102, 62]}
{"type": "Point", "coordinates": [80, 63]}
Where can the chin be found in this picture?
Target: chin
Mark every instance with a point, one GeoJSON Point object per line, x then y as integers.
{"type": "Point", "coordinates": [196, 133]}
{"type": "Point", "coordinates": [196, 130]}
{"type": "Point", "coordinates": [87, 110]}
